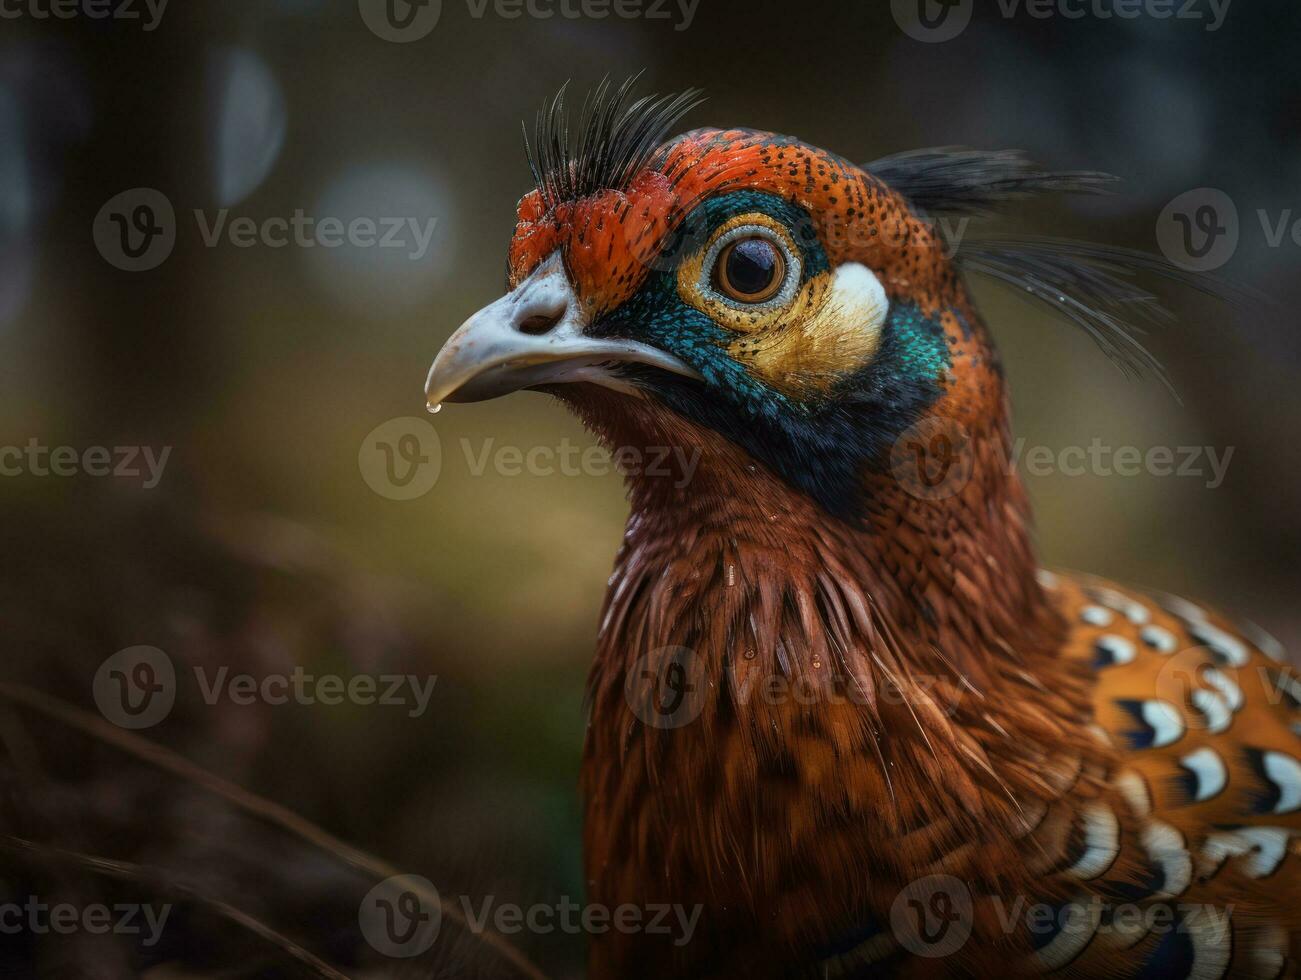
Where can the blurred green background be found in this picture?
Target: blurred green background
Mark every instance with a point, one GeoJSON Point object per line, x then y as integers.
{"type": "Point", "coordinates": [265, 368]}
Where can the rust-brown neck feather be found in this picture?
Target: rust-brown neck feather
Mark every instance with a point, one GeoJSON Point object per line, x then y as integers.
{"type": "Point", "coordinates": [858, 686]}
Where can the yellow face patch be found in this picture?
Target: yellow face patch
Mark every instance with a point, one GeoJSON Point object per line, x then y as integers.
{"type": "Point", "coordinates": [807, 336]}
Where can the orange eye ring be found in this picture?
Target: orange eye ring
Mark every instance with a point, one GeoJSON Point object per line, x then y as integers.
{"type": "Point", "coordinates": [750, 270]}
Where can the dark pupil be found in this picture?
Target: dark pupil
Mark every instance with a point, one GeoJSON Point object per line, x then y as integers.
{"type": "Point", "coordinates": [751, 266]}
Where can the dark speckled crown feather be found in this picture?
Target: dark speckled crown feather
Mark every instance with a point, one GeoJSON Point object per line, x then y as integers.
{"type": "Point", "coordinates": [616, 139]}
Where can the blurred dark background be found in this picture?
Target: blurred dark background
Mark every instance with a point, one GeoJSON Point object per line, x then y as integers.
{"type": "Point", "coordinates": [263, 544]}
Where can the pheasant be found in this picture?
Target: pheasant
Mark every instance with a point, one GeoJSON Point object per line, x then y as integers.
{"type": "Point", "coordinates": [837, 705]}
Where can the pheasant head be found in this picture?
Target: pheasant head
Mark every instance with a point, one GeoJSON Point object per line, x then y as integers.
{"type": "Point", "coordinates": [746, 284]}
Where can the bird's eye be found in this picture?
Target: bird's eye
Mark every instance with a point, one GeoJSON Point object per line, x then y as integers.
{"type": "Point", "coordinates": [751, 267]}
{"type": "Point", "coordinates": [750, 270]}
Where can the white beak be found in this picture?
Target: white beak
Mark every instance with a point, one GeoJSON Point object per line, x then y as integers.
{"type": "Point", "coordinates": [534, 336]}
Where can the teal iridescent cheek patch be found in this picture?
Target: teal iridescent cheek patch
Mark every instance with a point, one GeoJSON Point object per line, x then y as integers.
{"type": "Point", "coordinates": [919, 347]}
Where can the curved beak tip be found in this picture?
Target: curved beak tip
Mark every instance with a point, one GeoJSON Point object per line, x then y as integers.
{"type": "Point", "coordinates": [492, 353]}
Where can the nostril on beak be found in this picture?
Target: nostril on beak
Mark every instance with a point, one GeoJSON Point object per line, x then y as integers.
{"type": "Point", "coordinates": [541, 322]}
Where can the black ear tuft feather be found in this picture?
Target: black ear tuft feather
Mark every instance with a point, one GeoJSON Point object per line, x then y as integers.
{"type": "Point", "coordinates": [956, 180]}
{"type": "Point", "coordinates": [1092, 286]}
{"type": "Point", "coordinates": [1088, 284]}
{"type": "Point", "coordinates": [616, 138]}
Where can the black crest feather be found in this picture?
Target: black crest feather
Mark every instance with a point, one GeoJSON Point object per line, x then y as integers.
{"type": "Point", "coordinates": [616, 137]}
{"type": "Point", "coordinates": [956, 180]}
{"type": "Point", "coordinates": [1090, 285]}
